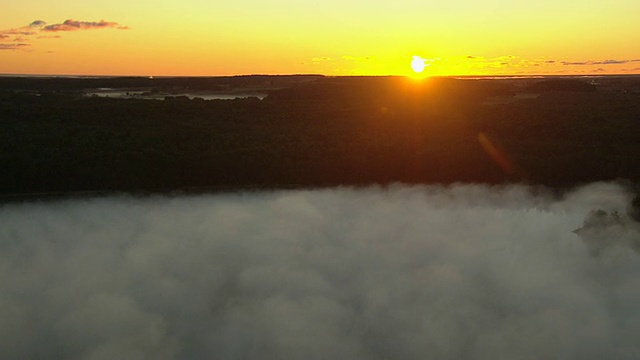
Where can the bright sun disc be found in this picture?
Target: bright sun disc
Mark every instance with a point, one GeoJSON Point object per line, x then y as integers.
{"type": "Point", "coordinates": [417, 64]}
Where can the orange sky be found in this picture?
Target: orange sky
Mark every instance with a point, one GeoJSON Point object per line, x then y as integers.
{"type": "Point", "coordinates": [331, 37]}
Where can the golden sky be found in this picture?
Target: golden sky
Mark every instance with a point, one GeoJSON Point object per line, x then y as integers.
{"type": "Point", "coordinates": [331, 37]}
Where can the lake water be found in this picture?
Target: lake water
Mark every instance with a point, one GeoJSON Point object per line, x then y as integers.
{"type": "Point", "coordinates": [145, 94]}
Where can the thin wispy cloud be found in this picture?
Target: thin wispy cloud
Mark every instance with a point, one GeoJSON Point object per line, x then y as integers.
{"type": "Point", "coordinates": [321, 59]}
{"type": "Point", "coordinates": [21, 31]}
{"type": "Point", "coordinates": [503, 62]}
{"type": "Point", "coordinates": [20, 38]}
{"type": "Point", "coordinates": [603, 62]}
{"type": "Point", "coordinates": [19, 46]}
{"type": "Point", "coordinates": [357, 58]}
{"type": "Point", "coordinates": [74, 25]}
{"type": "Point", "coordinates": [524, 65]}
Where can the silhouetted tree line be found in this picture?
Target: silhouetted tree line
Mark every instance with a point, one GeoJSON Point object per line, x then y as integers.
{"type": "Point", "coordinates": [317, 132]}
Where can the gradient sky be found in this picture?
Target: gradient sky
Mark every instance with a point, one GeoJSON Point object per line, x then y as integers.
{"type": "Point", "coordinates": [331, 37]}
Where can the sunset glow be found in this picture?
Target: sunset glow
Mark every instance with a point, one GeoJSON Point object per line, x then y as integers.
{"type": "Point", "coordinates": [204, 38]}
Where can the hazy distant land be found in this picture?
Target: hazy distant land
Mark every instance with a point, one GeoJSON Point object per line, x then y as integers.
{"type": "Point", "coordinates": [59, 136]}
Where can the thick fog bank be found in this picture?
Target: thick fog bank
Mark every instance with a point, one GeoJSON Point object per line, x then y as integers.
{"type": "Point", "coordinates": [462, 272]}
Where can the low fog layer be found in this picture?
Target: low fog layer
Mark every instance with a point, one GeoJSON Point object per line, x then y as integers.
{"type": "Point", "coordinates": [464, 272]}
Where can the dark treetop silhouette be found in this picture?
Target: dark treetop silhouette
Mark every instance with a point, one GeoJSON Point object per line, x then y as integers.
{"type": "Point", "coordinates": [315, 131]}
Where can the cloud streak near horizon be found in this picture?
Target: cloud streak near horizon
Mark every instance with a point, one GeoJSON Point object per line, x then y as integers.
{"type": "Point", "coordinates": [459, 272]}
{"type": "Point", "coordinates": [18, 39]}
{"type": "Point", "coordinates": [516, 62]}
{"type": "Point", "coordinates": [603, 62]}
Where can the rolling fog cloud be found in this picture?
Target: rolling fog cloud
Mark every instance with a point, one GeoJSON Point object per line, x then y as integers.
{"type": "Point", "coordinates": [464, 272]}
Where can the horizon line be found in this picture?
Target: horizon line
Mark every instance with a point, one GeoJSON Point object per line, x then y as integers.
{"type": "Point", "coordinates": [488, 76]}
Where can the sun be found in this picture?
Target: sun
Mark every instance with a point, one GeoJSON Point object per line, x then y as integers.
{"type": "Point", "coordinates": [417, 64]}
